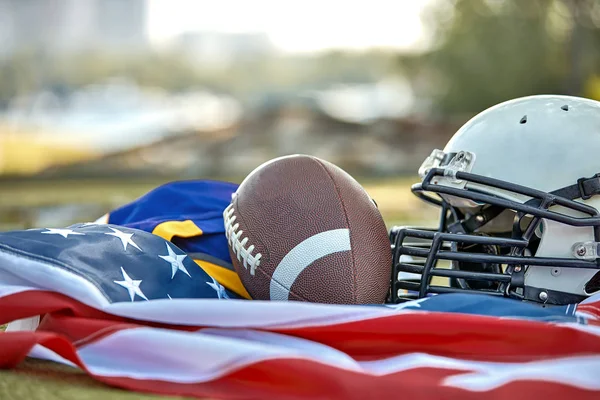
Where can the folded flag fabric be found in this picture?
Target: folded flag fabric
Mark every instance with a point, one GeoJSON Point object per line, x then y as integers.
{"type": "Point", "coordinates": [132, 310]}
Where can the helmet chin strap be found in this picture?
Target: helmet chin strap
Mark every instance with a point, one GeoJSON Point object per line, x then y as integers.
{"type": "Point", "coordinates": [551, 297]}
{"type": "Point", "coordinates": [584, 189]}
{"type": "Point", "coordinates": [475, 221]}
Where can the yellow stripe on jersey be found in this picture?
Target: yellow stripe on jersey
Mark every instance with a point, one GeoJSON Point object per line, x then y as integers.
{"type": "Point", "coordinates": [184, 229]}
{"type": "Point", "coordinates": [226, 277]}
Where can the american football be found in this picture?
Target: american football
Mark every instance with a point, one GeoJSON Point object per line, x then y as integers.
{"type": "Point", "coordinates": [301, 228]}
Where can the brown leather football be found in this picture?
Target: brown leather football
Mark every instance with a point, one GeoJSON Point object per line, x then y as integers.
{"type": "Point", "coordinates": [300, 228]}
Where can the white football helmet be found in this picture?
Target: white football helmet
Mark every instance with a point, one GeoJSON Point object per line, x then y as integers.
{"type": "Point", "coordinates": [519, 191]}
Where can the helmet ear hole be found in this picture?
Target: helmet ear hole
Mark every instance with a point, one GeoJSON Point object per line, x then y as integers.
{"type": "Point", "coordinates": [539, 230]}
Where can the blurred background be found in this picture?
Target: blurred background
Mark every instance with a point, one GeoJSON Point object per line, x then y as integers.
{"type": "Point", "coordinates": [103, 100]}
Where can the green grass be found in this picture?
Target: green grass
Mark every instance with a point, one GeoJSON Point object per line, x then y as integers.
{"type": "Point", "coordinates": [39, 379]}
{"type": "Point", "coordinates": [36, 379]}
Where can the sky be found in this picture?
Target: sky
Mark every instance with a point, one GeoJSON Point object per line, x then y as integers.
{"type": "Point", "coordinates": [296, 26]}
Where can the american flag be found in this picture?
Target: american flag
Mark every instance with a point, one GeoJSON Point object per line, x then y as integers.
{"type": "Point", "coordinates": [133, 311]}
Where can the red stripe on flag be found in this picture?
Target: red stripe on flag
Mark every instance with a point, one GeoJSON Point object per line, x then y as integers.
{"type": "Point", "coordinates": [38, 302]}
{"type": "Point", "coordinates": [590, 308]}
{"type": "Point", "coordinates": [296, 378]}
{"type": "Point", "coordinates": [84, 330]}
{"type": "Point", "coordinates": [471, 337]}
{"type": "Point", "coordinates": [15, 346]}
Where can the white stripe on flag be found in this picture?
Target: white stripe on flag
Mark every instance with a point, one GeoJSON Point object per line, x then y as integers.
{"type": "Point", "coordinates": [244, 313]}
{"type": "Point", "coordinates": [188, 357]}
{"type": "Point", "coordinates": [29, 272]}
{"type": "Point", "coordinates": [25, 324]}
{"type": "Point", "coordinates": [8, 289]}
{"type": "Point", "coordinates": [184, 357]}
{"type": "Point", "coordinates": [581, 371]}
{"type": "Point", "coordinates": [44, 353]}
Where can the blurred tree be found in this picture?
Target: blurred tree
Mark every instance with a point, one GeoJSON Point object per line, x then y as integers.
{"type": "Point", "coordinates": [592, 87]}
{"type": "Point", "coordinates": [488, 51]}
{"type": "Point", "coordinates": [17, 75]}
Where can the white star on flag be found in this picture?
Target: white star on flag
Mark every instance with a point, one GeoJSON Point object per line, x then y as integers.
{"type": "Point", "coordinates": [132, 286]}
{"type": "Point", "coordinates": [218, 288]}
{"type": "Point", "coordinates": [62, 232]}
{"type": "Point", "coordinates": [125, 238]}
{"type": "Point", "coordinates": [176, 262]}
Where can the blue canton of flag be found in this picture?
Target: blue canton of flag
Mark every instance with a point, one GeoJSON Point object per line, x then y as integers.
{"type": "Point", "coordinates": [122, 264]}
